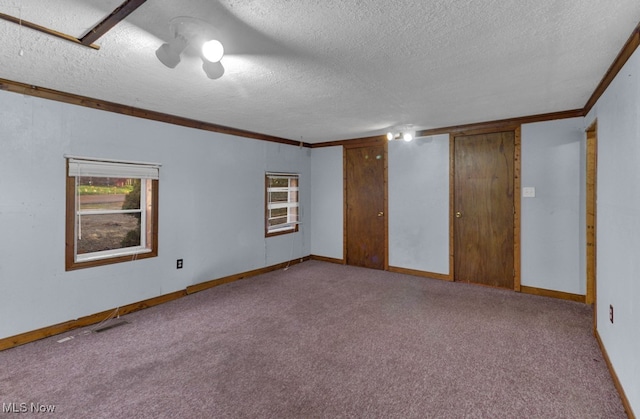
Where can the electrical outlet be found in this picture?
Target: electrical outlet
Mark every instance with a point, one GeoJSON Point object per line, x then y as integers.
{"type": "Point", "coordinates": [610, 313]}
{"type": "Point", "coordinates": [179, 264]}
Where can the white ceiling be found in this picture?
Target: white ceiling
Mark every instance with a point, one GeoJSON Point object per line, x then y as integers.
{"type": "Point", "coordinates": [323, 70]}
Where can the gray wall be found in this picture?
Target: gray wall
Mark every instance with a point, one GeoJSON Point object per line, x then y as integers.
{"type": "Point", "coordinates": [326, 202]}
{"type": "Point", "coordinates": [211, 210]}
{"type": "Point", "coordinates": [419, 204]}
{"type": "Point", "coordinates": [553, 222]}
{"type": "Point", "coordinates": [618, 224]}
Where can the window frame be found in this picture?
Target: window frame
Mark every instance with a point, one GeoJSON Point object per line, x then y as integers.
{"type": "Point", "coordinates": [150, 230]}
{"type": "Point", "coordinates": [290, 226]}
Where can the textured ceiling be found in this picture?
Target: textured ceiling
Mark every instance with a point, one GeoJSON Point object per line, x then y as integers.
{"type": "Point", "coordinates": [323, 70]}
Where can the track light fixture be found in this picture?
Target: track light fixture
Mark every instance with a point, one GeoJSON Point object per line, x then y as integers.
{"type": "Point", "coordinates": [196, 33]}
{"type": "Point", "coordinates": [405, 133]}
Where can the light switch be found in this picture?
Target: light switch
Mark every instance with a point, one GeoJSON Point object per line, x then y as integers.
{"type": "Point", "coordinates": [529, 192]}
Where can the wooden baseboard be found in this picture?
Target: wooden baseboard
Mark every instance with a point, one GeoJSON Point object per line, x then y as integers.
{"type": "Point", "coordinates": [328, 259]}
{"type": "Point", "coordinates": [614, 377]}
{"type": "Point", "coordinates": [57, 329]}
{"type": "Point", "coordinates": [554, 294]}
{"type": "Point", "coordinates": [415, 272]}
{"type": "Point", "coordinates": [231, 278]}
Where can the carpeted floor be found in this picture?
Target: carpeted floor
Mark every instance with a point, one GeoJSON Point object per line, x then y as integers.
{"type": "Point", "coordinates": [321, 340]}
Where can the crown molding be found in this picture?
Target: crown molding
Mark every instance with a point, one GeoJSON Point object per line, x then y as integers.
{"type": "Point", "coordinates": [45, 93]}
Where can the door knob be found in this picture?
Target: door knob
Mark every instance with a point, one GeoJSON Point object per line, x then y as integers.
{"type": "Point", "coordinates": [380, 214]}
{"type": "Point", "coordinates": [458, 214]}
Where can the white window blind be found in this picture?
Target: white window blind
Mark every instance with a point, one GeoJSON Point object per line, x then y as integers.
{"type": "Point", "coordinates": [282, 201]}
{"type": "Point", "coordinates": [101, 168]}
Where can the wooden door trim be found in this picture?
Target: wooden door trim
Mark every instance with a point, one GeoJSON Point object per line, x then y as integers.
{"type": "Point", "coordinates": [372, 142]}
{"type": "Point", "coordinates": [591, 133]}
{"type": "Point", "coordinates": [452, 172]}
{"type": "Point", "coordinates": [344, 205]}
{"type": "Point", "coordinates": [386, 205]}
{"type": "Point", "coordinates": [517, 167]}
{"type": "Point", "coordinates": [591, 218]}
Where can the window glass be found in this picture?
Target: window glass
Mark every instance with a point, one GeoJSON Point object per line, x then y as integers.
{"type": "Point", "coordinates": [114, 218]}
{"type": "Point", "coordinates": [109, 215]}
{"type": "Point", "coordinates": [282, 203]}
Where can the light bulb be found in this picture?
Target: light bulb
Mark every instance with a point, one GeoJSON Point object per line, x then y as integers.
{"type": "Point", "coordinates": [212, 51]}
{"type": "Point", "coordinates": [407, 136]}
{"type": "Point", "coordinates": [389, 136]}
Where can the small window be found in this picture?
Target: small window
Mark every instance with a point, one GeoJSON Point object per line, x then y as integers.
{"type": "Point", "coordinates": [112, 212]}
{"type": "Point", "coordinates": [282, 203]}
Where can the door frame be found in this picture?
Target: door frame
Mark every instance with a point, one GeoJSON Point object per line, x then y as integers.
{"type": "Point", "coordinates": [375, 141]}
{"type": "Point", "coordinates": [591, 217]}
{"type": "Point", "coordinates": [517, 166]}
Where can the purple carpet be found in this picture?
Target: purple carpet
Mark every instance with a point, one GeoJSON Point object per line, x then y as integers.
{"type": "Point", "coordinates": [321, 340]}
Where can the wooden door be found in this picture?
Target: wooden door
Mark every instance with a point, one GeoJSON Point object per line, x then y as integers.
{"type": "Point", "coordinates": [365, 241]}
{"type": "Point", "coordinates": [484, 209]}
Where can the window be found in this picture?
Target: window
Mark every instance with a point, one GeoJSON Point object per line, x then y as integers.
{"type": "Point", "coordinates": [112, 212]}
{"type": "Point", "coordinates": [282, 203]}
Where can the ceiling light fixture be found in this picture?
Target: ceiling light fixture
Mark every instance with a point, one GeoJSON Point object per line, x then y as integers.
{"type": "Point", "coordinates": [406, 133]}
{"type": "Point", "coordinates": [191, 32]}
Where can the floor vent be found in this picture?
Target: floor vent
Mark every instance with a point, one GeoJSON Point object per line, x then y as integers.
{"type": "Point", "coordinates": [110, 326]}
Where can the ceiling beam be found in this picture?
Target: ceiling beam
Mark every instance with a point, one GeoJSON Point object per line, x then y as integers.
{"type": "Point", "coordinates": [48, 31]}
{"type": "Point", "coordinates": [119, 14]}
